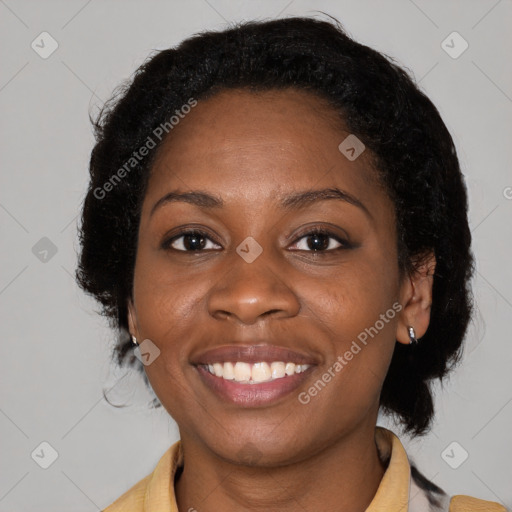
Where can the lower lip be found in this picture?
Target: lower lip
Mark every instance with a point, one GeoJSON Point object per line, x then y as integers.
{"type": "Point", "coordinates": [253, 395]}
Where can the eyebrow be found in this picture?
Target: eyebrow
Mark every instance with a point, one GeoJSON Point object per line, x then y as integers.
{"type": "Point", "coordinates": [291, 202]}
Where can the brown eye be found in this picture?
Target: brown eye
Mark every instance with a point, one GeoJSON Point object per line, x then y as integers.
{"type": "Point", "coordinates": [190, 241]}
{"type": "Point", "coordinates": [319, 240]}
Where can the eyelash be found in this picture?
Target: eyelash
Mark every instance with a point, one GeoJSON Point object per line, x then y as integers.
{"type": "Point", "coordinates": [166, 245]}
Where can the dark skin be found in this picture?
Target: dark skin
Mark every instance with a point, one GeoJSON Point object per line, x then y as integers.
{"type": "Point", "coordinates": [251, 150]}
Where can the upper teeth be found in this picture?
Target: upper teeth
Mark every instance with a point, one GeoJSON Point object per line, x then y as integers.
{"type": "Point", "coordinates": [258, 372]}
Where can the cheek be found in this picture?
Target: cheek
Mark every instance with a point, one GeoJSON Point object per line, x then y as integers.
{"type": "Point", "coordinates": [354, 296]}
{"type": "Point", "coordinates": [167, 305]}
{"type": "Point", "coordinates": [362, 330]}
{"type": "Point", "coordinates": [355, 310]}
{"type": "Point", "coordinates": [167, 314]}
{"type": "Point", "coordinates": [166, 300]}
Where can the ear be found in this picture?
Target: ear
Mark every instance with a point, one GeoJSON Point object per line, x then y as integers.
{"type": "Point", "coordinates": [132, 320]}
{"type": "Point", "coordinates": [416, 299]}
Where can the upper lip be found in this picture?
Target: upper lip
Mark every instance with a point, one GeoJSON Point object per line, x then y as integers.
{"type": "Point", "coordinates": [252, 354]}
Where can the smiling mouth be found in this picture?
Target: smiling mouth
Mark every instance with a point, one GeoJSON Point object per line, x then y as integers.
{"type": "Point", "coordinates": [254, 373]}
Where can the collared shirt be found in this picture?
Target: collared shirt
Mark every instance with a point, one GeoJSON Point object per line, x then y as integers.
{"type": "Point", "coordinates": [402, 489]}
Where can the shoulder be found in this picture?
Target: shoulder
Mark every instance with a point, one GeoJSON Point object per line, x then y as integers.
{"type": "Point", "coordinates": [133, 499]}
{"type": "Point", "coordinates": [462, 503]}
{"type": "Point", "coordinates": [426, 496]}
{"type": "Point", "coordinates": [153, 492]}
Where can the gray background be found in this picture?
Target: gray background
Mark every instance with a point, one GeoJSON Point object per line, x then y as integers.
{"type": "Point", "coordinates": [55, 348]}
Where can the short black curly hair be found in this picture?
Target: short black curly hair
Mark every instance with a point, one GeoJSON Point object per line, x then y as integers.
{"type": "Point", "coordinates": [378, 101]}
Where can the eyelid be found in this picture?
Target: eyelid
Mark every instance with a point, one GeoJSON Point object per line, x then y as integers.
{"type": "Point", "coordinates": [325, 229]}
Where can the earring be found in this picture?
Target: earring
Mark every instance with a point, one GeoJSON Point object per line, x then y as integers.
{"type": "Point", "coordinates": [134, 339]}
{"type": "Point", "coordinates": [412, 335]}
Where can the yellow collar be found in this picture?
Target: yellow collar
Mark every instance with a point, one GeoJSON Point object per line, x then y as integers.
{"type": "Point", "coordinates": [156, 491]}
{"type": "Point", "coordinates": [393, 491]}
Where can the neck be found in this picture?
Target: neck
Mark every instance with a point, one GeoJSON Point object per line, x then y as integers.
{"type": "Point", "coordinates": [345, 476]}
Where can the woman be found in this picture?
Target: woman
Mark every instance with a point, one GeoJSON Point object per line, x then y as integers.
{"type": "Point", "coordinates": [277, 222]}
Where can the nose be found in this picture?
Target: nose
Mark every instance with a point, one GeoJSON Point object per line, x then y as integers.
{"type": "Point", "coordinates": [248, 292]}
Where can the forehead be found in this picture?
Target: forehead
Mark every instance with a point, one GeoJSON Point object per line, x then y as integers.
{"type": "Point", "coordinates": [241, 145]}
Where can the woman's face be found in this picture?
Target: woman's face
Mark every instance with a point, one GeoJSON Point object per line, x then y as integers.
{"type": "Point", "coordinates": [255, 290]}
